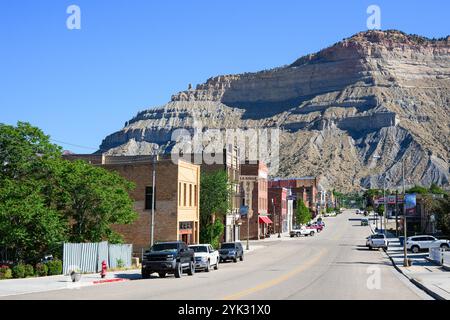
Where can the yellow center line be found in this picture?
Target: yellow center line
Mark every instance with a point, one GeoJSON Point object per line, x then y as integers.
{"type": "Point", "coordinates": [276, 281]}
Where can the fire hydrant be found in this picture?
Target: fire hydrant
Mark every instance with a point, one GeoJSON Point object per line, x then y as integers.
{"type": "Point", "coordinates": [104, 268]}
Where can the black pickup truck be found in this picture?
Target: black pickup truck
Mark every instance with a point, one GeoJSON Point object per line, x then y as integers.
{"type": "Point", "coordinates": [168, 258]}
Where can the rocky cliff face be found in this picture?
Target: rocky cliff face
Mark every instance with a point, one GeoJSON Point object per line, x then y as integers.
{"type": "Point", "coordinates": [377, 93]}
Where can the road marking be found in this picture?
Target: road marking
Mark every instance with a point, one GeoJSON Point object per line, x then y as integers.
{"type": "Point", "coordinates": [274, 282]}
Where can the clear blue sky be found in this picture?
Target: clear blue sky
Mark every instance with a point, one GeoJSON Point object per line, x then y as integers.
{"type": "Point", "coordinates": [80, 85]}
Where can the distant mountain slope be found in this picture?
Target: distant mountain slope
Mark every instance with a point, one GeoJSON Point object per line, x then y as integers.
{"type": "Point", "coordinates": [377, 92]}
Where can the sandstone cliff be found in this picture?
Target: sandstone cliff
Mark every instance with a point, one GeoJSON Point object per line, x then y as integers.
{"type": "Point", "coordinates": [377, 92]}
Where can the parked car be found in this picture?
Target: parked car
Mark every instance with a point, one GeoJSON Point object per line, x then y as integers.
{"type": "Point", "coordinates": [315, 226]}
{"type": "Point", "coordinates": [424, 242]}
{"type": "Point", "coordinates": [364, 222]}
{"type": "Point", "coordinates": [205, 257]}
{"type": "Point", "coordinates": [231, 251]}
{"type": "Point", "coordinates": [302, 231]}
{"type": "Point", "coordinates": [168, 258]}
{"type": "Point", "coordinates": [320, 222]}
{"type": "Point", "coordinates": [376, 241]}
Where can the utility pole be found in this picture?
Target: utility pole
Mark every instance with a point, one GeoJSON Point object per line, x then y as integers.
{"type": "Point", "coordinates": [384, 206]}
{"type": "Point", "coordinates": [154, 160]}
{"type": "Point", "coordinates": [405, 233]}
{"type": "Point", "coordinates": [396, 213]}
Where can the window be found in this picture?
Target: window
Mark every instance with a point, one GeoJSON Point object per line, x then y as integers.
{"type": "Point", "coordinates": [196, 195]}
{"type": "Point", "coordinates": [190, 195]}
{"type": "Point", "coordinates": [179, 193]}
{"type": "Point", "coordinates": [149, 198]}
{"type": "Point", "coordinates": [184, 194]}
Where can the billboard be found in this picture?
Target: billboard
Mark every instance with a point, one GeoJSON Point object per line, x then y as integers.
{"type": "Point", "coordinates": [410, 203]}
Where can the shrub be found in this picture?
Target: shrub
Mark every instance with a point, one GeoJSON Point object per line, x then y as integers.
{"type": "Point", "coordinates": [54, 267]}
{"type": "Point", "coordinates": [29, 270]}
{"type": "Point", "coordinates": [120, 263]}
{"type": "Point", "coordinates": [41, 269]}
{"type": "Point", "coordinates": [5, 272]}
{"type": "Point", "coordinates": [18, 271]}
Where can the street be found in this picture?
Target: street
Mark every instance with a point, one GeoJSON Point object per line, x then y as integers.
{"type": "Point", "coordinates": [334, 264]}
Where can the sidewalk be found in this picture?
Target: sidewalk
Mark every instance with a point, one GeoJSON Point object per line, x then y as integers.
{"type": "Point", "coordinates": [33, 285]}
{"type": "Point", "coordinates": [426, 275]}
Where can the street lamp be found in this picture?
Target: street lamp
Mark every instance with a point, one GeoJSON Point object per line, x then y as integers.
{"type": "Point", "coordinates": [405, 234]}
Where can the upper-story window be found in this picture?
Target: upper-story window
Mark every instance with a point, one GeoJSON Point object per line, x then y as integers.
{"type": "Point", "coordinates": [149, 198]}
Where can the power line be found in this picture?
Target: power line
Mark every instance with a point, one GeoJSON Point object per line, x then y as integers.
{"type": "Point", "coordinates": [73, 145]}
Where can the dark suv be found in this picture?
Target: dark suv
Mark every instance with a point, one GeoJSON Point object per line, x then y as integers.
{"type": "Point", "coordinates": [168, 257]}
{"type": "Point", "coordinates": [231, 251]}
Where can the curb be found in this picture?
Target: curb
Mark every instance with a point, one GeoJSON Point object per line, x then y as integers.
{"type": "Point", "coordinates": [414, 281]}
{"type": "Point", "coordinates": [411, 279]}
{"type": "Point", "coordinates": [109, 281]}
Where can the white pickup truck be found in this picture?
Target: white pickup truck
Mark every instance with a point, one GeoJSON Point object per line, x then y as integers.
{"type": "Point", "coordinates": [298, 231]}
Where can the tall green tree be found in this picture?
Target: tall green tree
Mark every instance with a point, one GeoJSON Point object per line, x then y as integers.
{"type": "Point", "coordinates": [215, 202]}
{"type": "Point", "coordinates": [45, 200]}
{"type": "Point", "coordinates": [93, 199]}
{"type": "Point", "coordinates": [302, 214]}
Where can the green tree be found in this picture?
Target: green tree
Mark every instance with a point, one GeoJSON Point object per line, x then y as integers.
{"type": "Point", "coordinates": [442, 210]}
{"type": "Point", "coordinates": [418, 189]}
{"type": "Point", "coordinates": [302, 214]}
{"type": "Point", "coordinates": [94, 199]}
{"type": "Point", "coordinates": [215, 201]}
{"type": "Point", "coordinates": [45, 200]}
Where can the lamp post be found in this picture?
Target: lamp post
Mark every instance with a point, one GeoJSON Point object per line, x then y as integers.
{"type": "Point", "coordinates": [405, 233]}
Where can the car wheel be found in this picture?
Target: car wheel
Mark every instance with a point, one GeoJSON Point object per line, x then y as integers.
{"type": "Point", "coordinates": [311, 234]}
{"type": "Point", "coordinates": [162, 274]}
{"type": "Point", "coordinates": [178, 270]}
{"type": "Point", "coordinates": [415, 249]}
{"type": "Point", "coordinates": [242, 258]}
{"type": "Point", "coordinates": [234, 259]}
{"type": "Point", "coordinates": [191, 270]}
{"type": "Point", "coordinates": [216, 267]}
{"type": "Point", "coordinates": [207, 268]}
{"type": "Point", "coordinates": [145, 274]}
{"type": "Point", "coordinates": [444, 246]}
{"type": "Point", "coordinates": [370, 247]}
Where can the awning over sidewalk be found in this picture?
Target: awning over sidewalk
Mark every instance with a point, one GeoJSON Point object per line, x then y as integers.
{"type": "Point", "coordinates": [264, 219]}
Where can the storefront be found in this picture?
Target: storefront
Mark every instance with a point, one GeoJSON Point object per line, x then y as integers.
{"type": "Point", "coordinates": [264, 222]}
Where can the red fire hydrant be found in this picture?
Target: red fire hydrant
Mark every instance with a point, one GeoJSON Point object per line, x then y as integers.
{"type": "Point", "coordinates": [104, 269]}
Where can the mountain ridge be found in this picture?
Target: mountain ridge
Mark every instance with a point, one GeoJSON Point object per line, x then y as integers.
{"type": "Point", "coordinates": [376, 91]}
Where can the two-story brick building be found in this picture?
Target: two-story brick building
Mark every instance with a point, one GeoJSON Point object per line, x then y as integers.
{"type": "Point", "coordinates": [277, 206]}
{"type": "Point", "coordinates": [254, 184]}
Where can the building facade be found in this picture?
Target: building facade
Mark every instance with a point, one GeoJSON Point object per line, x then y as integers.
{"type": "Point", "coordinates": [177, 196]}
{"type": "Point", "coordinates": [254, 184]}
{"type": "Point", "coordinates": [277, 207]}
{"type": "Point", "coordinates": [304, 188]}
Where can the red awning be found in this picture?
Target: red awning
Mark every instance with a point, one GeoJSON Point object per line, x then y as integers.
{"type": "Point", "coordinates": [264, 219]}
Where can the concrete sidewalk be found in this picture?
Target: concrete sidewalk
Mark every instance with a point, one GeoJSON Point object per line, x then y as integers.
{"type": "Point", "coordinates": [42, 284]}
{"type": "Point", "coordinates": [426, 275]}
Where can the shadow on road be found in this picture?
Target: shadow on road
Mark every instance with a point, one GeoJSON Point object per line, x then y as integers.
{"type": "Point", "coordinates": [132, 276]}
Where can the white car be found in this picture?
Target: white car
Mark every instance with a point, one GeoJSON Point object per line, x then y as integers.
{"type": "Point", "coordinates": [302, 231]}
{"type": "Point", "coordinates": [205, 257]}
{"type": "Point", "coordinates": [417, 243]}
{"type": "Point", "coordinates": [377, 241]}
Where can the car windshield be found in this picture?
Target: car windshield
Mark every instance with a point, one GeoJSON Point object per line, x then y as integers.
{"type": "Point", "coordinates": [165, 247]}
{"type": "Point", "coordinates": [228, 246]}
{"type": "Point", "coordinates": [199, 248]}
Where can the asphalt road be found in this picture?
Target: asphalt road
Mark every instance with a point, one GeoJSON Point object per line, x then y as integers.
{"type": "Point", "coordinates": [332, 265]}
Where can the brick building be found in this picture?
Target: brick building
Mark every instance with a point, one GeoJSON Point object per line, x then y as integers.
{"type": "Point", "coordinates": [277, 207]}
{"type": "Point", "coordinates": [254, 184]}
{"type": "Point", "coordinates": [305, 188]}
{"type": "Point", "coordinates": [177, 193]}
